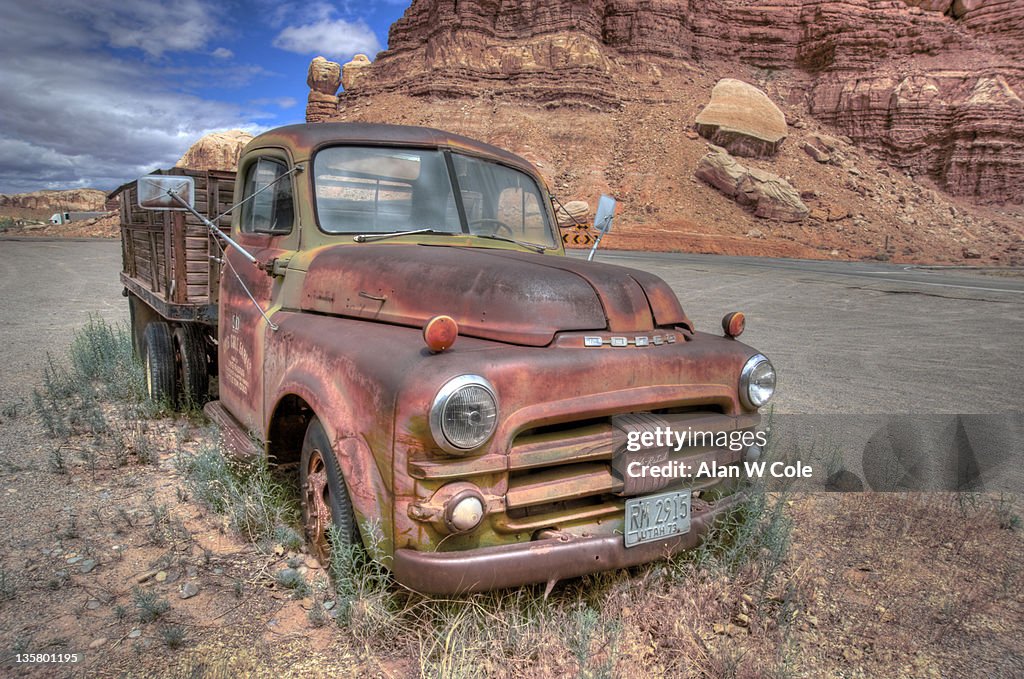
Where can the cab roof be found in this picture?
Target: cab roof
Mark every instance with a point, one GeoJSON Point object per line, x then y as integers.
{"type": "Point", "coordinates": [305, 139]}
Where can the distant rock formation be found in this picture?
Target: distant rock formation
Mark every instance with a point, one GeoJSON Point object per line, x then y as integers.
{"type": "Point", "coordinates": [770, 196]}
{"type": "Point", "coordinates": [71, 200]}
{"type": "Point", "coordinates": [742, 119]}
{"type": "Point", "coordinates": [216, 151]}
{"type": "Point", "coordinates": [964, 130]}
{"type": "Point", "coordinates": [931, 86]}
{"type": "Point", "coordinates": [323, 78]}
{"type": "Point", "coordinates": [354, 71]}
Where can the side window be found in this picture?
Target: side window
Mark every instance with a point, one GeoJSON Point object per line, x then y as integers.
{"type": "Point", "coordinates": [271, 210]}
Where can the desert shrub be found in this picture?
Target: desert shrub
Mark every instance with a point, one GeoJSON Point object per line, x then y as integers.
{"type": "Point", "coordinates": [149, 605]}
{"type": "Point", "coordinates": [259, 506]}
{"type": "Point", "coordinates": [97, 382]}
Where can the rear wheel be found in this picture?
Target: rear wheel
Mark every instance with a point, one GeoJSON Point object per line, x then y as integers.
{"type": "Point", "coordinates": [193, 375]}
{"type": "Point", "coordinates": [140, 315]}
{"type": "Point", "coordinates": [158, 361]}
{"type": "Point", "coordinates": [325, 499]}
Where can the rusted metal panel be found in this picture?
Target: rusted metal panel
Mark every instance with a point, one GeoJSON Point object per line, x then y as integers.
{"type": "Point", "coordinates": [490, 294]}
{"type": "Point", "coordinates": [622, 298]}
{"type": "Point", "coordinates": [566, 482]}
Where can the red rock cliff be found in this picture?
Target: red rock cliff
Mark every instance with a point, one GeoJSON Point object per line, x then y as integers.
{"type": "Point", "coordinates": [930, 86]}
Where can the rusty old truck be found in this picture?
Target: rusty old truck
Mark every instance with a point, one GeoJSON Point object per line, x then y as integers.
{"type": "Point", "coordinates": [391, 310]}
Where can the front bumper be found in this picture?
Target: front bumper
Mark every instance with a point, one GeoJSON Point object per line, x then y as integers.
{"type": "Point", "coordinates": [488, 568]}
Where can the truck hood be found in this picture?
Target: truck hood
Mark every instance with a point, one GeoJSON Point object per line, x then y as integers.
{"type": "Point", "coordinates": [502, 295]}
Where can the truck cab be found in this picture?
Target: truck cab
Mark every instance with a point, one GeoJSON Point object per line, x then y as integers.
{"type": "Point", "coordinates": [456, 392]}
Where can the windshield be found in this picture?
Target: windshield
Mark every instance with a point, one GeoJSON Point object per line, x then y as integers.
{"type": "Point", "coordinates": [374, 190]}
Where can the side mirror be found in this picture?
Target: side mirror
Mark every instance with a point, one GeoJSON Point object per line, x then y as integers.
{"type": "Point", "coordinates": [602, 221]}
{"type": "Point", "coordinates": [605, 213]}
{"type": "Point", "coordinates": [166, 192]}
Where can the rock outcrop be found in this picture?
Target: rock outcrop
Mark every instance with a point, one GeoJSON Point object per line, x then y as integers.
{"type": "Point", "coordinates": [770, 196]}
{"type": "Point", "coordinates": [323, 78]}
{"type": "Point", "coordinates": [742, 119]}
{"type": "Point", "coordinates": [216, 151]}
{"type": "Point", "coordinates": [573, 213]}
{"type": "Point", "coordinates": [71, 200]}
{"type": "Point", "coordinates": [354, 71]}
{"type": "Point", "coordinates": [897, 77]}
{"type": "Point", "coordinates": [964, 131]}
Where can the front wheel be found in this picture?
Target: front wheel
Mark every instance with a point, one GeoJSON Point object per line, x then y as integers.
{"type": "Point", "coordinates": [325, 499]}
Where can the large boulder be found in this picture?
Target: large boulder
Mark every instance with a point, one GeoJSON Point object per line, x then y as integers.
{"type": "Point", "coordinates": [216, 151]}
{"type": "Point", "coordinates": [962, 7]}
{"type": "Point", "coordinates": [770, 196]}
{"type": "Point", "coordinates": [354, 71]}
{"type": "Point", "coordinates": [324, 76]}
{"type": "Point", "coordinates": [572, 213]}
{"type": "Point", "coordinates": [742, 119]}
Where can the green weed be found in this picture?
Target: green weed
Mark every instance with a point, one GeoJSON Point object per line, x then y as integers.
{"type": "Point", "coordinates": [149, 605]}
{"type": "Point", "coordinates": [259, 507]}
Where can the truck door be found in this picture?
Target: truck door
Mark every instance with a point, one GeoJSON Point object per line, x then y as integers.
{"type": "Point", "coordinates": [266, 226]}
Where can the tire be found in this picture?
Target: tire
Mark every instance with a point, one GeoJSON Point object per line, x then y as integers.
{"type": "Point", "coordinates": [324, 495]}
{"type": "Point", "coordinates": [192, 365]}
{"type": "Point", "coordinates": [140, 315]}
{"type": "Point", "coordinates": [158, 362]}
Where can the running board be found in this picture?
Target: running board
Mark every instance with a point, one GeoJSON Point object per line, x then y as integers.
{"type": "Point", "coordinates": [236, 439]}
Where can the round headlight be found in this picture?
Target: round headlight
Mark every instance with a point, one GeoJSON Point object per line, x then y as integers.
{"type": "Point", "coordinates": [464, 414]}
{"type": "Point", "coordinates": [757, 381]}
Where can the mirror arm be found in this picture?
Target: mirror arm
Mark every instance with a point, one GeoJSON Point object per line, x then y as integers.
{"type": "Point", "coordinates": [213, 228]}
{"type": "Point", "coordinates": [295, 170]}
{"type": "Point", "coordinates": [600, 235]}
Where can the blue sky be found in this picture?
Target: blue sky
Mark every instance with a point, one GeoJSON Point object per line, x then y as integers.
{"type": "Point", "coordinates": [96, 92]}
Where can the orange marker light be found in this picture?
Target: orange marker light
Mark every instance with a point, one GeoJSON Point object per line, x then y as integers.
{"type": "Point", "coordinates": [440, 332]}
{"type": "Point", "coordinates": [734, 323]}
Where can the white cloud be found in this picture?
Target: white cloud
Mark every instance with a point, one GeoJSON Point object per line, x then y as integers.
{"type": "Point", "coordinates": [74, 115]}
{"type": "Point", "coordinates": [153, 26]}
{"type": "Point", "coordinates": [280, 102]}
{"type": "Point", "coordinates": [334, 38]}
{"type": "Point", "coordinates": [222, 53]}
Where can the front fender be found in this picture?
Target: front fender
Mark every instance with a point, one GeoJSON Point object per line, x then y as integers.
{"type": "Point", "coordinates": [348, 387]}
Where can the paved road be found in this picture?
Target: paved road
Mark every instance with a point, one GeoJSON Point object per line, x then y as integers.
{"type": "Point", "coordinates": [873, 359]}
{"type": "Point", "coordinates": [845, 337]}
{"type": "Point", "coordinates": [47, 289]}
{"type": "Point", "coordinates": [856, 337]}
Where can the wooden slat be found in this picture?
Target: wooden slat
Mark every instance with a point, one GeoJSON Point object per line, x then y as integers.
{"type": "Point", "coordinates": [161, 247]}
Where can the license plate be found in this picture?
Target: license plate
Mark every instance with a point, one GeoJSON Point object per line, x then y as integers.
{"type": "Point", "coordinates": [656, 517]}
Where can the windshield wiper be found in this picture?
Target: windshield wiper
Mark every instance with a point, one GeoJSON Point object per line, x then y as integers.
{"type": "Point", "coordinates": [370, 237]}
{"type": "Point", "coordinates": [536, 247]}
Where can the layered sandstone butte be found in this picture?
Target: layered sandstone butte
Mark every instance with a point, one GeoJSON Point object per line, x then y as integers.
{"type": "Point", "coordinates": [216, 151]}
{"type": "Point", "coordinates": [71, 200]}
{"type": "Point", "coordinates": [932, 87]}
